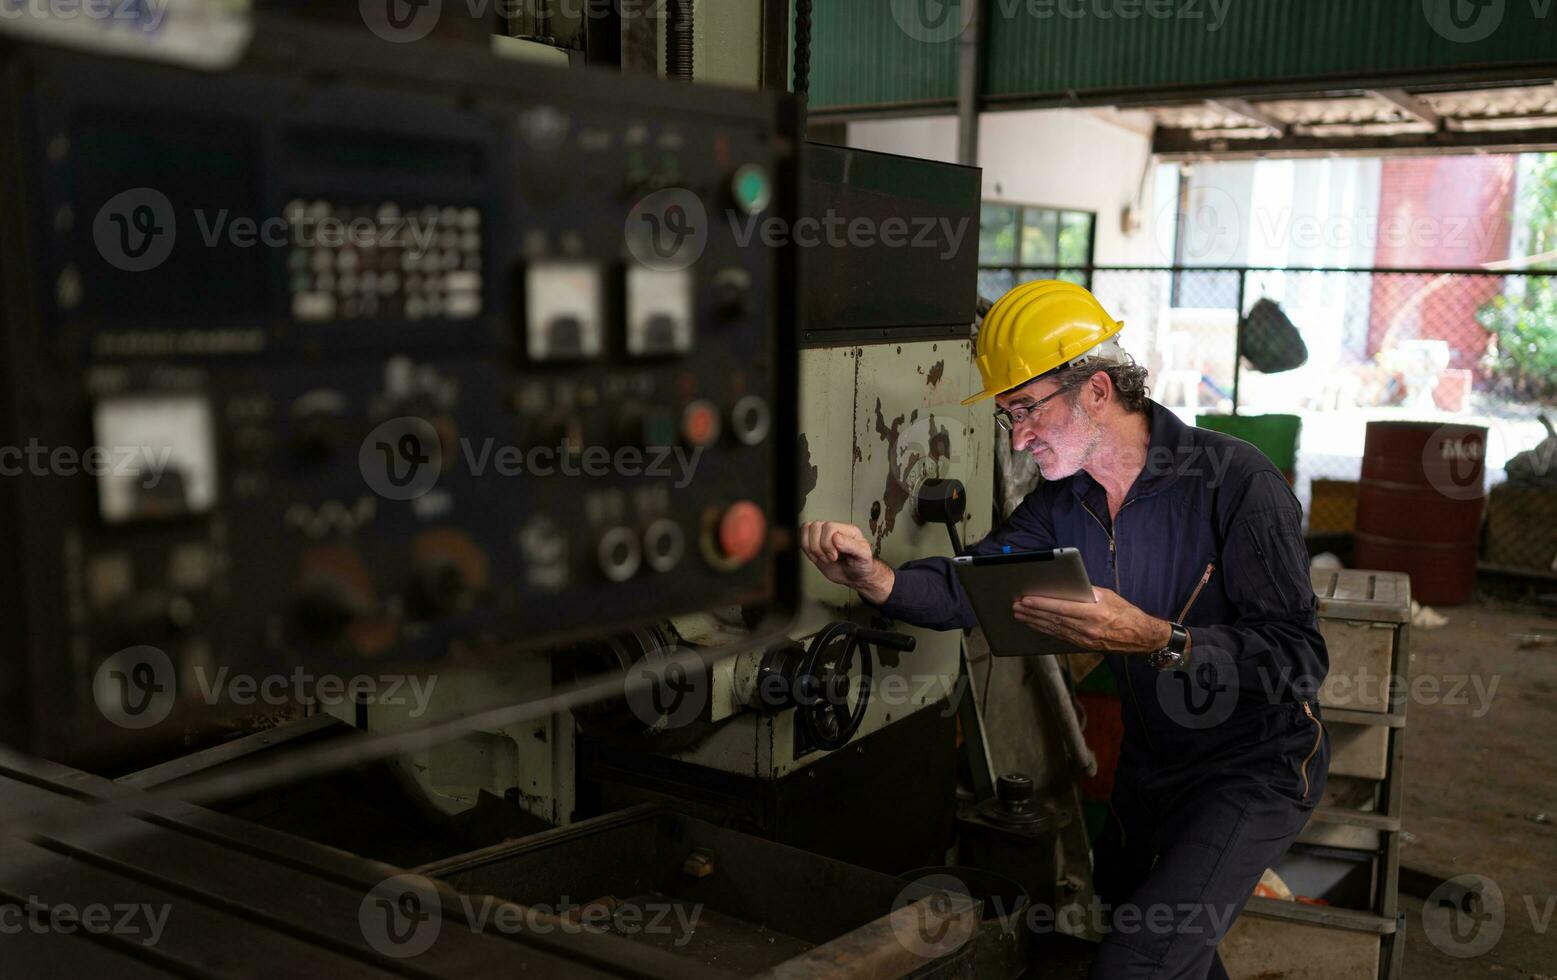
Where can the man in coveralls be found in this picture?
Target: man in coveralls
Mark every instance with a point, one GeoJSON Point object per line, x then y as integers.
{"type": "Point", "coordinates": [1205, 614]}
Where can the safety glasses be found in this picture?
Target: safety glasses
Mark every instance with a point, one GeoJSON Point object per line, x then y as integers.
{"type": "Point", "coordinates": [1008, 421]}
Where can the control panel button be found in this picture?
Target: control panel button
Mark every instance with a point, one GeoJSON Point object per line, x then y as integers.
{"type": "Point", "coordinates": [380, 271]}
{"type": "Point", "coordinates": [448, 571]}
{"type": "Point", "coordinates": [643, 427]}
{"type": "Point", "coordinates": [659, 312]}
{"type": "Point", "coordinates": [751, 421]}
{"type": "Point", "coordinates": [752, 188]}
{"type": "Point", "coordinates": [700, 424]}
{"type": "Point", "coordinates": [318, 424]}
{"type": "Point", "coordinates": [740, 534]}
{"type": "Point", "coordinates": [326, 603]}
{"type": "Point", "coordinates": [564, 312]}
{"type": "Point", "coordinates": [664, 544]}
{"type": "Point", "coordinates": [619, 554]}
{"type": "Point", "coordinates": [732, 295]}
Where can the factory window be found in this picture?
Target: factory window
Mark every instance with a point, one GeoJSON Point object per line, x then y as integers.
{"type": "Point", "coordinates": [1019, 243]}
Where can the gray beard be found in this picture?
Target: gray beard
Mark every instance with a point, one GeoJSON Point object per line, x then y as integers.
{"type": "Point", "coordinates": [1093, 442]}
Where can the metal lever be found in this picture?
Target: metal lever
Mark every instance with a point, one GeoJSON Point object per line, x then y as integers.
{"type": "Point", "coordinates": [885, 638]}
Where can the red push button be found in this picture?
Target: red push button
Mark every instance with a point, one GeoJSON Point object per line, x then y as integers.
{"type": "Point", "coordinates": [700, 424]}
{"type": "Point", "coordinates": [743, 530]}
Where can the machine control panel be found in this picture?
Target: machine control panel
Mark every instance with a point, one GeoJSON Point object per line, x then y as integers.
{"type": "Point", "coordinates": [389, 391]}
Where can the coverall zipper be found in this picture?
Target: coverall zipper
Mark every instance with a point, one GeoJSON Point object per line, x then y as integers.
{"type": "Point", "coordinates": [1113, 562]}
{"type": "Point", "coordinates": [1196, 594]}
{"type": "Point", "coordinates": [1318, 735]}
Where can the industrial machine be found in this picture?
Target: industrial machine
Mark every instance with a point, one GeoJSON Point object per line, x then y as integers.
{"type": "Point", "coordinates": [758, 742]}
{"type": "Point", "coordinates": [449, 378]}
{"type": "Point", "coordinates": [885, 362]}
{"type": "Point", "coordinates": [332, 361]}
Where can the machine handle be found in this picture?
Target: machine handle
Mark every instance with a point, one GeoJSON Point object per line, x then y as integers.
{"type": "Point", "coordinates": [888, 639]}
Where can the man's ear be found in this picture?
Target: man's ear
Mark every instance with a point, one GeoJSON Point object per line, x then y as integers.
{"type": "Point", "coordinates": [1098, 391]}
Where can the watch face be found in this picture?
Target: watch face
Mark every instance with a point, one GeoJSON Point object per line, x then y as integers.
{"type": "Point", "coordinates": [1164, 659]}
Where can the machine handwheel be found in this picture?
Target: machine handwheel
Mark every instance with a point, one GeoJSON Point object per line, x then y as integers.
{"type": "Point", "coordinates": [828, 679]}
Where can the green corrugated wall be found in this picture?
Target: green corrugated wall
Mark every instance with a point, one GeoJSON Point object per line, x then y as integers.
{"type": "Point", "coordinates": [866, 52]}
{"type": "Point", "coordinates": [859, 54]}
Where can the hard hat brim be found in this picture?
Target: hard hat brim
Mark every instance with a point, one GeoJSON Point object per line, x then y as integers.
{"type": "Point", "coordinates": [1070, 359]}
{"type": "Point", "coordinates": [981, 396]}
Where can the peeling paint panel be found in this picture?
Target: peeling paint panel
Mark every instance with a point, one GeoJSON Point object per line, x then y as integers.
{"type": "Point", "coordinates": [826, 428]}
{"type": "Point", "coordinates": [911, 426]}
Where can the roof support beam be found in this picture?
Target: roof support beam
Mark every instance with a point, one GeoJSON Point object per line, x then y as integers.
{"type": "Point", "coordinates": [1410, 105]}
{"type": "Point", "coordinates": [1242, 107]}
{"type": "Point", "coordinates": [1181, 144]}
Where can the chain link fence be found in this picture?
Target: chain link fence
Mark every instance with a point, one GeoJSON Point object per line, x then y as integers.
{"type": "Point", "coordinates": [1474, 347]}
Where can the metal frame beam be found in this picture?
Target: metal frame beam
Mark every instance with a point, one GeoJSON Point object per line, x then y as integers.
{"type": "Point", "coordinates": [1242, 107]}
{"type": "Point", "coordinates": [1180, 144]}
{"type": "Point", "coordinates": [1455, 80]}
{"type": "Point", "coordinates": [1410, 105]}
{"type": "Point", "coordinates": [195, 763]}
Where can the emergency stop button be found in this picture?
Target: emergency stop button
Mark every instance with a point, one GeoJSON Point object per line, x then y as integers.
{"type": "Point", "coordinates": [734, 537]}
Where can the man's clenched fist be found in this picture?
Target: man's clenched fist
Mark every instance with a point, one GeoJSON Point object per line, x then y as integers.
{"type": "Point", "coordinates": [843, 555]}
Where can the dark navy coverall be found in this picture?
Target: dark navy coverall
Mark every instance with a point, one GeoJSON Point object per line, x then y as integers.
{"type": "Point", "coordinates": [1222, 762]}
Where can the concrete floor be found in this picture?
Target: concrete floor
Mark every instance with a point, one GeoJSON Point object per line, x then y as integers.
{"type": "Point", "coordinates": [1477, 775]}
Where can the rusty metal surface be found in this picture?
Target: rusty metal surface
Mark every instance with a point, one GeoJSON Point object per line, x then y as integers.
{"type": "Point", "coordinates": [876, 422]}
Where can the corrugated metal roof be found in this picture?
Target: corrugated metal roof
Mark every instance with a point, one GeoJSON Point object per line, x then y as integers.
{"type": "Point", "coordinates": [895, 52]}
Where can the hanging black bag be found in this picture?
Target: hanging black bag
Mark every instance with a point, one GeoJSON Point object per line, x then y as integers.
{"type": "Point", "coordinates": [1269, 340]}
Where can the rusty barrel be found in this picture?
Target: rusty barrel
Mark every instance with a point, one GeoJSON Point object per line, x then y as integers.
{"type": "Point", "coordinates": [1419, 505]}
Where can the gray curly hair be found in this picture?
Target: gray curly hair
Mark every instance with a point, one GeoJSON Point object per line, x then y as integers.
{"type": "Point", "coordinates": [1129, 378]}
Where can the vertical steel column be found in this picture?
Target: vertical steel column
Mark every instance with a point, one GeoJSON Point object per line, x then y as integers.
{"type": "Point", "coordinates": [970, 82]}
{"type": "Point", "coordinates": [776, 54]}
{"type": "Point", "coordinates": [1243, 279]}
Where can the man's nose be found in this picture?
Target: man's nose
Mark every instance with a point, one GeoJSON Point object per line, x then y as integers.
{"type": "Point", "coordinates": [1021, 438]}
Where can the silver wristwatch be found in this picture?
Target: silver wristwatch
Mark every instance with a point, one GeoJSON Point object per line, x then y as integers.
{"type": "Point", "coordinates": [1173, 654]}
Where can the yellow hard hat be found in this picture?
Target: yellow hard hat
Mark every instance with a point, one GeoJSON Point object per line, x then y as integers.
{"type": "Point", "coordinates": [1035, 328]}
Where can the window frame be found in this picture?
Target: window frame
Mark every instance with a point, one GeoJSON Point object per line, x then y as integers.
{"type": "Point", "coordinates": [1056, 269]}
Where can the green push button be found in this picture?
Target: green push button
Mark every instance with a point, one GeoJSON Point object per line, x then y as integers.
{"type": "Point", "coordinates": [659, 430]}
{"type": "Point", "coordinates": [753, 189]}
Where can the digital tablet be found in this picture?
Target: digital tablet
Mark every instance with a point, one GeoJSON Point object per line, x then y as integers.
{"type": "Point", "coordinates": [994, 582]}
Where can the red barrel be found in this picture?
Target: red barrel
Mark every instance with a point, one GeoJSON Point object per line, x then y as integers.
{"type": "Point", "coordinates": [1419, 505]}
